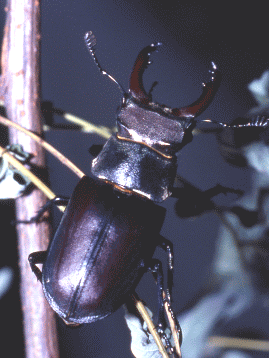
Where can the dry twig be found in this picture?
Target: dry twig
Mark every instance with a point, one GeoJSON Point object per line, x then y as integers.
{"type": "Point", "coordinates": [20, 81]}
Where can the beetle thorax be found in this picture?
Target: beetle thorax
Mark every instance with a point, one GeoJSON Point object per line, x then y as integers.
{"type": "Point", "coordinates": [140, 157]}
{"type": "Point", "coordinates": [152, 125]}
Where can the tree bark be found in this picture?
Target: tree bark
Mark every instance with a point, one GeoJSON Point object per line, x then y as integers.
{"type": "Point", "coordinates": [21, 93]}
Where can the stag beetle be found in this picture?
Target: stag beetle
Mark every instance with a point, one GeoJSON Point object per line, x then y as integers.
{"type": "Point", "coordinates": [111, 226]}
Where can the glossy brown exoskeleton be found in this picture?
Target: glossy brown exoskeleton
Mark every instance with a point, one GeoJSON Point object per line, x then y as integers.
{"type": "Point", "coordinates": [109, 231]}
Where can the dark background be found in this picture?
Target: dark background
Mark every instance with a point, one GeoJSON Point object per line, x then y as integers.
{"type": "Point", "coordinates": [193, 34]}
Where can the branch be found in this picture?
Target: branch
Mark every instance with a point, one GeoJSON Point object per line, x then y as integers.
{"type": "Point", "coordinates": [21, 93]}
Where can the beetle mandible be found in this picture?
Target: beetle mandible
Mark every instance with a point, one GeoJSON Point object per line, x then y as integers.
{"type": "Point", "coordinates": [110, 228]}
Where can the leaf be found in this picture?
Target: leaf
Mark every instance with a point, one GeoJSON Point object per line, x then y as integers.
{"type": "Point", "coordinates": [12, 182]}
{"type": "Point", "coordinates": [142, 342]}
{"type": "Point", "coordinates": [259, 88]}
{"type": "Point", "coordinates": [257, 155]}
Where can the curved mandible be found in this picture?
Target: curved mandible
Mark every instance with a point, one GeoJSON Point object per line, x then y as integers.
{"type": "Point", "coordinates": [209, 90]}
{"type": "Point", "coordinates": [136, 87]}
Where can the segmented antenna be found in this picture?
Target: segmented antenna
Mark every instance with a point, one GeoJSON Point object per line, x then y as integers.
{"type": "Point", "coordinates": [258, 121]}
{"type": "Point", "coordinates": [90, 41]}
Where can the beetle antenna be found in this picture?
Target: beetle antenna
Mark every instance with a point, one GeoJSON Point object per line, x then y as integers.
{"type": "Point", "coordinates": [258, 121]}
{"type": "Point", "coordinates": [90, 41]}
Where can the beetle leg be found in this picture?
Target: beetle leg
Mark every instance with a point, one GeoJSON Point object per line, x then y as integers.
{"type": "Point", "coordinates": [59, 201]}
{"type": "Point", "coordinates": [167, 246]}
{"type": "Point", "coordinates": [37, 258]}
{"type": "Point", "coordinates": [156, 270]}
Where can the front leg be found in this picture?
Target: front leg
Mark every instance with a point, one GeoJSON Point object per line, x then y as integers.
{"type": "Point", "coordinates": [58, 201]}
{"type": "Point", "coordinates": [34, 258]}
{"type": "Point", "coordinates": [167, 246]}
{"type": "Point", "coordinates": [156, 269]}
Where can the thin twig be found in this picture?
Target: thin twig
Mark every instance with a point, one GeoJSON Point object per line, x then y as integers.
{"type": "Point", "coordinates": [88, 127]}
{"type": "Point", "coordinates": [238, 343]}
{"type": "Point", "coordinates": [151, 327]}
{"type": "Point", "coordinates": [38, 183]}
{"type": "Point", "coordinates": [172, 324]}
{"type": "Point", "coordinates": [45, 145]}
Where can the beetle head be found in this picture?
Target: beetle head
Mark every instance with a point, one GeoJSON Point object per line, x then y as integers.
{"type": "Point", "coordinates": [162, 128]}
{"type": "Point", "coordinates": [141, 120]}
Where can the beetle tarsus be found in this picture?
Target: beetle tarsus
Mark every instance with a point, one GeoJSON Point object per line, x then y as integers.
{"type": "Point", "coordinates": [167, 300]}
{"type": "Point", "coordinates": [34, 258]}
{"type": "Point", "coordinates": [156, 270]}
{"type": "Point", "coordinates": [168, 346]}
{"type": "Point", "coordinates": [167, 246]}
{"type": "Point", "coordinates": [59, 201]}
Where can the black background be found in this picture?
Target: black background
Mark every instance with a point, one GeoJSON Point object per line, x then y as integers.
{"type": "Point", "coordinates": [232, 34]}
